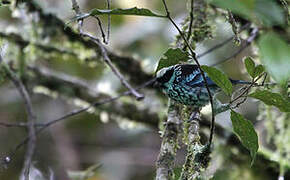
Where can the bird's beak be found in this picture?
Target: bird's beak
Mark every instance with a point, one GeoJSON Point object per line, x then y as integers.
{"type": "Point", "coordinates": [156, 84]}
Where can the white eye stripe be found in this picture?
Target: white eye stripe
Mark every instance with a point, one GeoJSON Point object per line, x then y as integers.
{"type": "Point", "coordinates": [162, 71]}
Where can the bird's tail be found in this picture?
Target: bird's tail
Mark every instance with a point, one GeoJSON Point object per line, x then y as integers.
{"type": "Point", "coordinates": [254, 84]}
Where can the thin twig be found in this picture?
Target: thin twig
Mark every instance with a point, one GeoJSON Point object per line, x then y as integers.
{"type": "Point", "coordinates": [7, 124]}
{"type": "Point", "coordinates": [20, 124]}
{"type": "Point", "coordinates": [253, 83]}
{"type": "Point", "coordinates": [246, 26]}
{"type": "Point", "coordinates": [233, 22]}
{"type": "Point", "coordinates": [109, 21]}
{"type": "Point", "coordinates": [249, 40]}
{"type": "Point", "coordinates": [106, 57]}
{"type": "Point", "coordinates": [264, 79]}
{"type": "Point", "coordinates": [76, 8]}
{"type": "Point", "coordinates": [101, 29]}
{"type": "Point", "coordinates": [62, 77]}
{"type": "Point", "coordinates": [197, 63]}
{"type": "Point", "coordinates": [30, 124]}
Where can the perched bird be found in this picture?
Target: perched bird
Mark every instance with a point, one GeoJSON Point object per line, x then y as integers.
{"type": "Point", "coordinates": [184, 84]}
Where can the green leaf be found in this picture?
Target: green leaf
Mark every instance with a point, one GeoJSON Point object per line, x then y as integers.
{"type": "Point", "coordinates": [258, 70]}
{"type": "Point", "coordinates": [253, 70]}
{"type": "Point", "coordinates": [272, 99]}
{"type": "Point", "coordinates": [275, 55]}
{"type": "Point", "coordinates": [219, 78]}
{"type": "Point", "coordinates": [266, 11]}
{"type": "Point", "coordinates": [171, 57]}
{"type": "Point", "coordinates": [245, 131]}
{"type": "Point", "coordinates": [131, 11]}
{"type": "Point", "coordinates": [250, 66]}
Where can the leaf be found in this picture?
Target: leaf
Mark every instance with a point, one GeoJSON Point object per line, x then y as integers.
{"type": "Point", "coordinates": [250, 66]}
{"type": "Point", "coordinates": [255, 10]}
{"type": "Point", "coordinates": [272, 99]}
{"type": "Point", "coordinates": [219, 78]}
{"type": "Point", "coordinates": [253, 70]}
{"type": "Point", "coordinates": [131, 11]}
{"type": "Point", "coordinates": [245, 131]}
{"type": "Point", "coordinates": [275, 55]}
{"type": "Point", "coordinates": [171, 57]}
{"type": "Point", "coordinates": [258, 70]}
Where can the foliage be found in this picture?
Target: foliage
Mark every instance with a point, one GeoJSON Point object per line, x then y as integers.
{"type": "Point", "coordinates": [171, 57]}
{"type": "Point", "coordinates": [274, 54]}
{"type": "Point", "coordinates": [245, 130]}
{"type": "Point", "coordinates": [272, 99]}
{"type": "Point", "coordinates": [131, 11]}
{"type": "Point", "coordinates": [255, 10]}
{"type": "Point", "coordinates": [254, 71]}
{"type": "Point", "coordinates": [219, 78]}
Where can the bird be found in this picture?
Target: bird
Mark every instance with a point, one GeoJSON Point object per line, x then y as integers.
{"type": "Point", "coordinates": [184, 84]}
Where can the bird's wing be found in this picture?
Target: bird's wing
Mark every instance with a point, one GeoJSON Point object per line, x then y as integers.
{"type": "Point", "coordinates": [192, 76]}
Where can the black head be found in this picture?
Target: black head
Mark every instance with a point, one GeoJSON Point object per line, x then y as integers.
{"type": "Point", "coordinates": [164, 75]}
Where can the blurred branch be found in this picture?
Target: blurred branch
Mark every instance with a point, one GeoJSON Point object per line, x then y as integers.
{"type": "Point", "coordinates": [70, 114]}
{"type": "Point", "coordinates": [59, 78]}
{"type": "Point", "coordinates": [235, 30]}
{"type": "Point", "coordinates": [31, 120]}
{"type": "Point", "coordinates": [127, 65]}
{"type": "Point", "coordinates": [23, 43]}
{"type": "Point", "coordinates": [89, 94]}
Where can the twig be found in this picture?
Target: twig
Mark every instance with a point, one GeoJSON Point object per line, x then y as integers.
{"type": "Point", "coordinates": [197, 63]}
{"type": "Point", "coordinates": [31, 120]}
{"type": "Point", "coordinates": [20, 124]}
{"type": "Point", "coordinates": [109, 21]}
{"type": "Point", "coordinates": [101, 29]}
{"type": "Point", "coordinates": [23, 43]}
{"type": "Point", "coordinates": [248, 88]}
{"type": "Point", "coordinates": [6, 124]}
{"type": "Point", "coordinates": [76, 8]}
{"type": "Point", "coordinates": [106, 57]}
{"type": "Point", "coordinates": [264, 79]}
{"type": "Point", "coordinates": [233, 22]}
{"type": "Point", "coordinates": [253, 35]}
{"type": "Point", "coordinates": [62, 77]}
{"type": "Point", "coordinates": [246, 26]}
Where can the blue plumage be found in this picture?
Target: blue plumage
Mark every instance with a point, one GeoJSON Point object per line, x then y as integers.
{"type": "Point", "coordinates": [185, 84]}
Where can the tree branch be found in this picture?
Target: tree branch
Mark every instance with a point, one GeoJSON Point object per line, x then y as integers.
{"type": "Point", "coordinates": [31, 120]}
{"type": "Point", "coordinates": [165, 160]}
